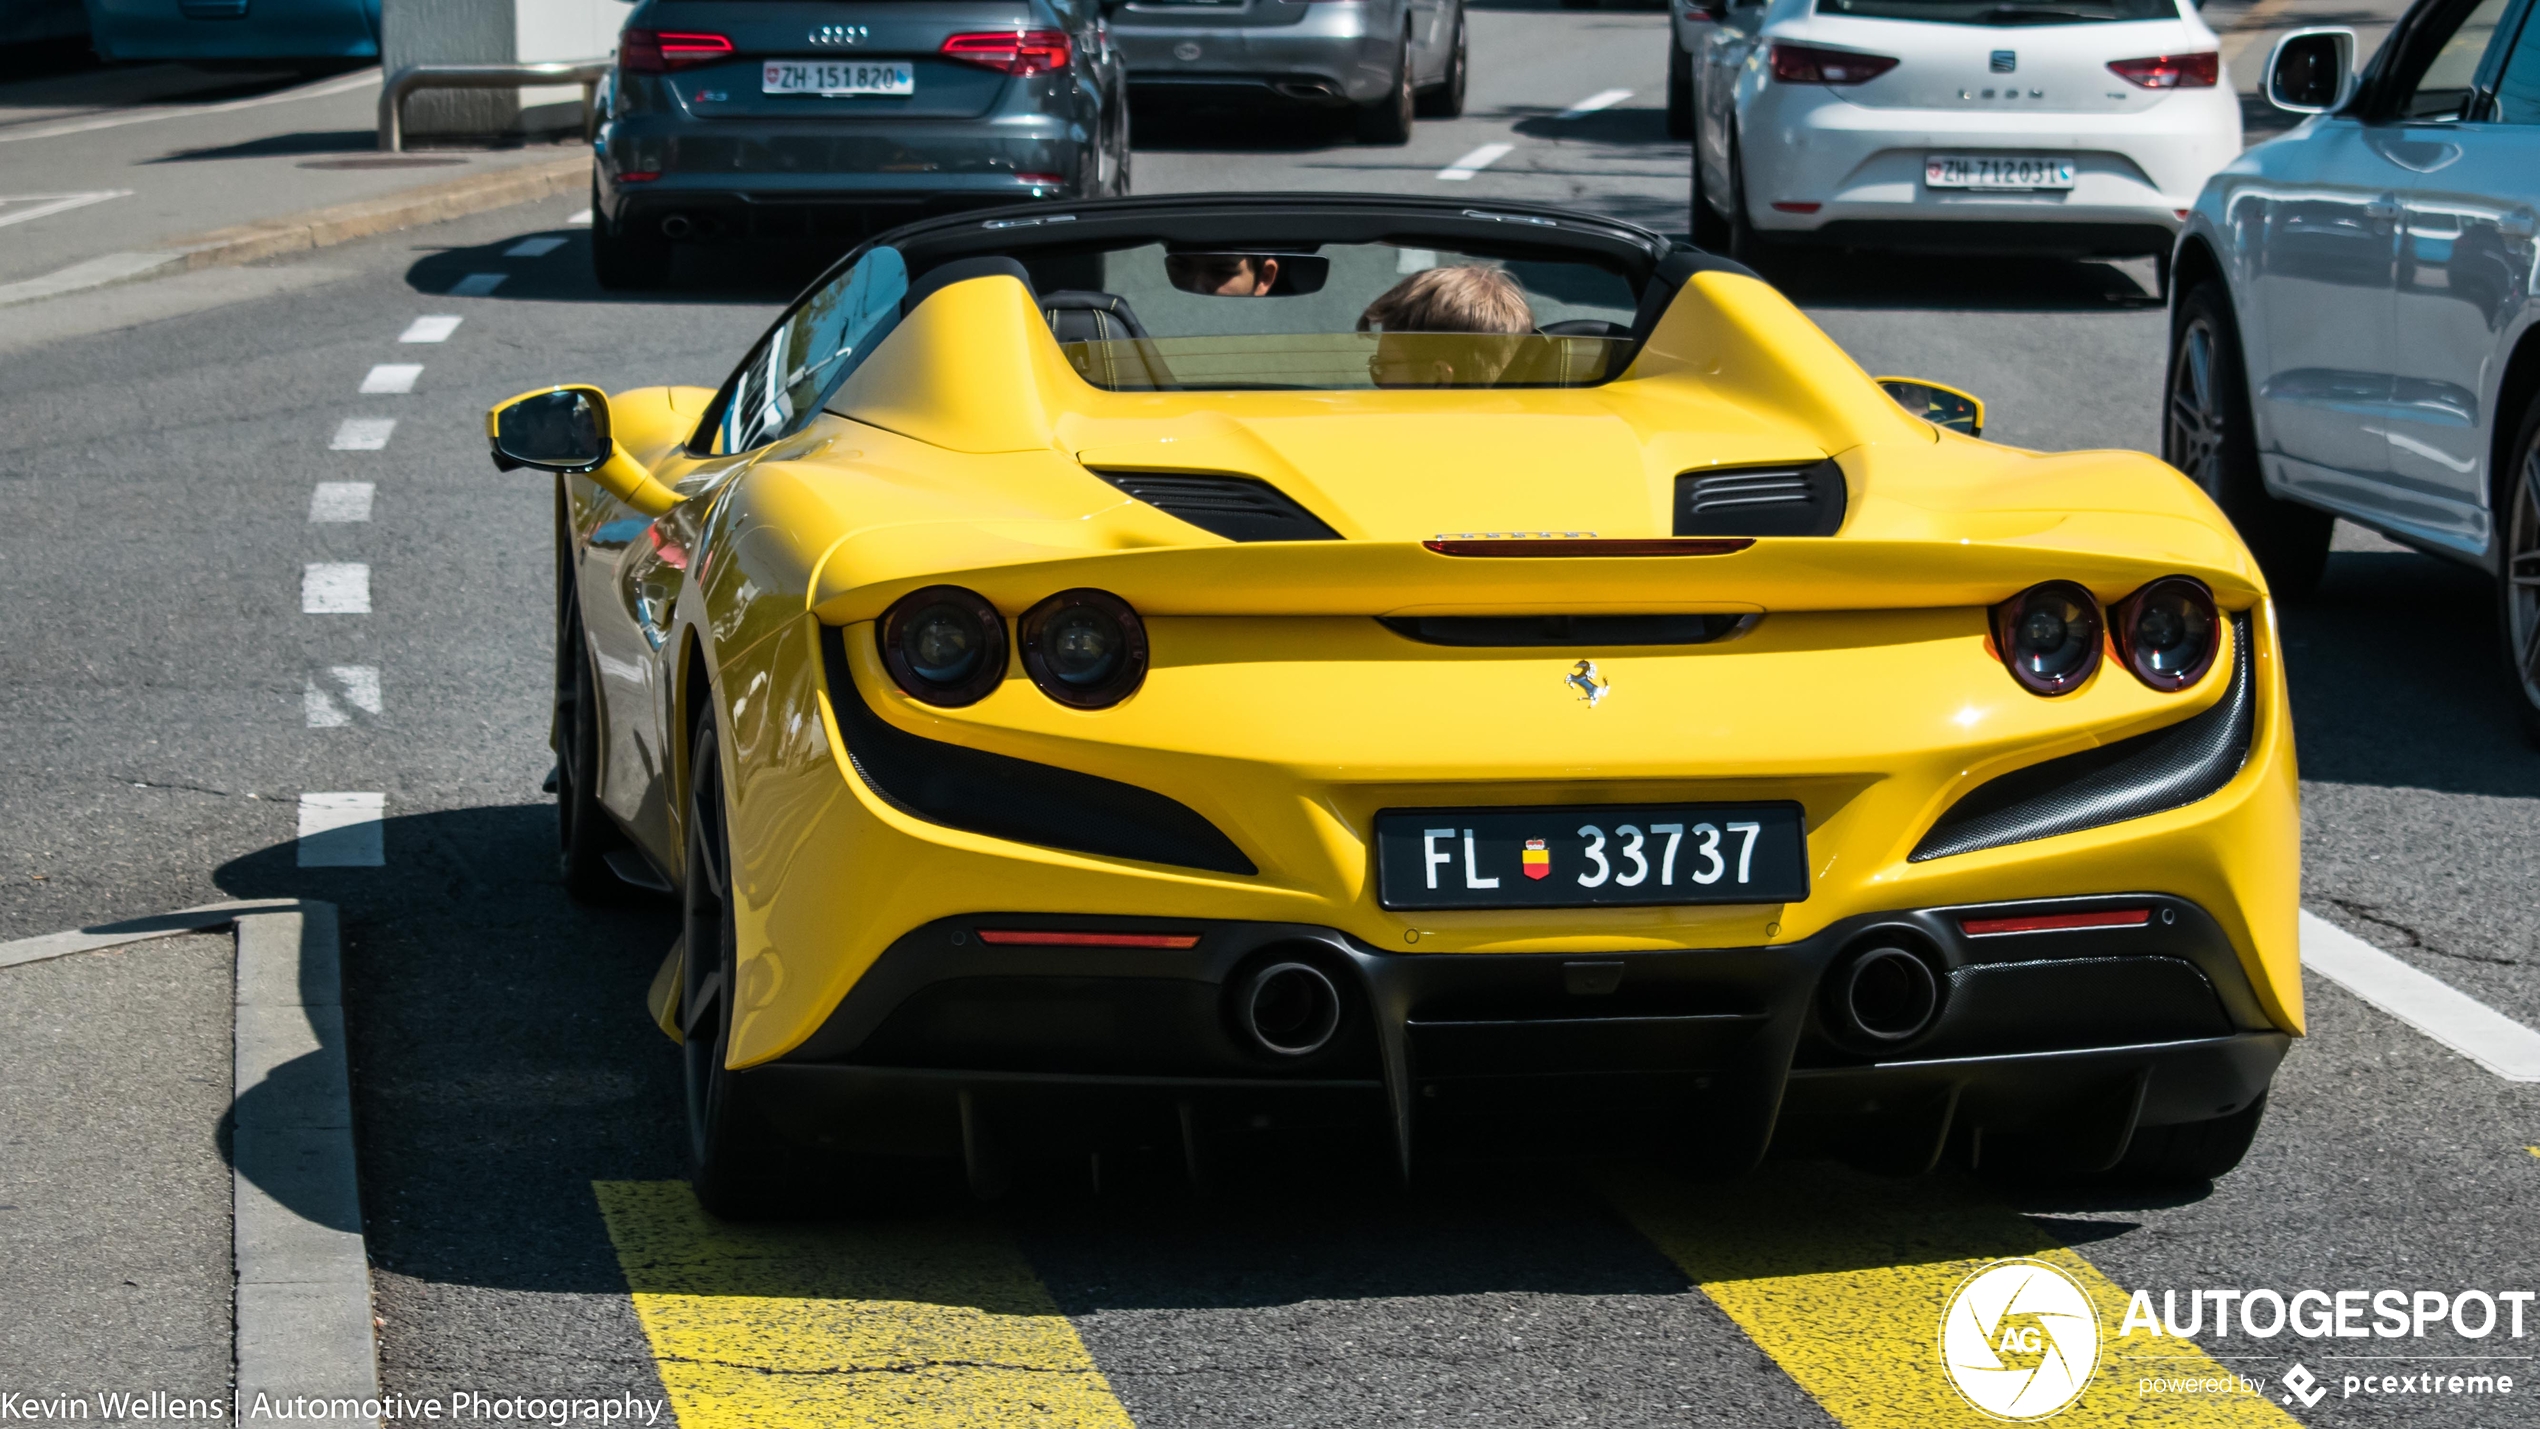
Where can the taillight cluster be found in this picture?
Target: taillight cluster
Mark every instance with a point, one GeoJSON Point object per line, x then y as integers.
{"type": "Point", "coordinates": [1812, 64]}
{"type": "Point", "coordinates": [1017, 52]}
{"type": "Point", "coordinates": [2197, 71]}
{"type": "Point", "coordinates": [947, 646]}
{"type": "Point", "coordinates": [2051, 636]}
{"type": "Point", "coordinates": [660, 51]}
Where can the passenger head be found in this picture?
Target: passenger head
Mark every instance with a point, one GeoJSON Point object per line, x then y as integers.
{"type": "Point", "coordinates": [1483, 308]}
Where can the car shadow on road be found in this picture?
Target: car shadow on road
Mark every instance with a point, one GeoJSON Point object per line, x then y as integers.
{"type": "Point", "coordinates": [1845, 278]}
{"type": "Point", "coordinates": [1169, 124]}
{"type": "Point", "coordinates": [332, 141]}
{"type": "Point", "coordinates": [2398, 679]}
{"type": "Point", "coordinates": [703, 274]}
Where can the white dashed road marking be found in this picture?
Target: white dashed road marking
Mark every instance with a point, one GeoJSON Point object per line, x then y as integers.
{"type": "Point", "coordinates": [363, 434]}
{"type": "Point", "coordinates": [432, 329]}
{"type": "Point", "coordinates": [581, 219]}
{"type": "Point", "coordinates": [340, 501]}
{"type": "Point", "coordinates": [392, 377]}
{"type": "Point", "coordinates": [477, 285]}
{"type": "Point", "coordinates": [342, 830]}
{"type": "Point", "coordinates": [1476, 161]}
{"type": "Point", "coordinates": [1602, 99]}
{"type": "Point", "coordinates": [359, 685]}
{"type": "Point", "coordinates": [2424, 1002]}
{"type": "Point", "coordinates": [335, 588]}
{"type": "Point", "coordinates": [533, 248]}
{"type": "Point", "coordinates": [18, 208]}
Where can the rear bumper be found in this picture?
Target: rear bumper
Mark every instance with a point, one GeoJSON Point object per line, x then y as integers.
{"type": "Point", "coordinates": [1712, 1053]}
{"type": "Point", "coordinates": [1327, 56]}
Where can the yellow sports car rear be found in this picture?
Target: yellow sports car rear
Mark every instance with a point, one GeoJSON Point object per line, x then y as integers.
{"type": "Point", "coordinates": [1200, 670]}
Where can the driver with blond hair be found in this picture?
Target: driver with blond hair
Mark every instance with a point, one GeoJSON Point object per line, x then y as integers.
{"type": "Point", "coordinates": [1447, 327]}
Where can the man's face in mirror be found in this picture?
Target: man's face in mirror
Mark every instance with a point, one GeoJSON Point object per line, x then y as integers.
{"type": "Point", "coordinates": [1226, 275]}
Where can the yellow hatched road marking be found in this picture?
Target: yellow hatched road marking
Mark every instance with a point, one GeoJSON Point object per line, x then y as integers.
{"type": "Point", "coordinates": [1842, 1280]}
{"type": "Point", "coordinates": [911, 1323]}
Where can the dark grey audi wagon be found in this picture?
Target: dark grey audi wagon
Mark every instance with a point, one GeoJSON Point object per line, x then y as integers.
{"type": "Point", "coordinates": [820, 122]}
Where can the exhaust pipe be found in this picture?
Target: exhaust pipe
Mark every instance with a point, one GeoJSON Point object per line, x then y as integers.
{"type": "Point", "coordinates": [1289, 1009]}
{"type": "Point", "coordinates": [1885, 995]}
{"type": "Point", "coordinates": [678, 225]}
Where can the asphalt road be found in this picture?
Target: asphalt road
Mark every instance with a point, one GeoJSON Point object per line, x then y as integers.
{"type": "Point", "coordinates": [168, 701]}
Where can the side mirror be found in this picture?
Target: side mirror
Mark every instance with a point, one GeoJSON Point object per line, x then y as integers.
{"type": "Point", "coordinates": [1938, 405]}
{"type": "Point", "coordinates": [567, 429]}
{"type": "Point", "coordinates": [2312, 71]}
{"type": "Point", "coordinates": [559, 429]}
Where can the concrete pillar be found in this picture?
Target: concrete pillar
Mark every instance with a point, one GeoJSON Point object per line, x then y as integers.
{"type": "Point", "coordinates": [416, 32]}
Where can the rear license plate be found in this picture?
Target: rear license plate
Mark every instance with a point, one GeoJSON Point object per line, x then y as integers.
{"type": "Point", "coordinates": [1992, 171]}
{"type": "Point", "coordinates": [1591, 856]}
{"type": "Point", "coordinates": [838, 77]}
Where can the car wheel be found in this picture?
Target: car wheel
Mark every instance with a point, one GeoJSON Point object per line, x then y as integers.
{"type": "Point", "coordinates": [1679, 92]}
{"type": "Point", "coordinates": [1445, 99]}
{"type": "Point", "coordinates": [2190, 1150]}
{"type": "Point", "coordinates": [1746, 244]}
{"type": "Point", "coordinates": [622, 260]}
{"type": "Point", "coordinates": [1388, 120]}
{"type": "Point", "coordinates": [585, 835]}
{"type": "Point", "coordinates": [1709, 229]}
{"type": "Point", "coordinates": [2518, 591]}
{"type": "Point", "coordinates": [2208, 435]}
{"type": "Point", "coordinates": [731, 1155]}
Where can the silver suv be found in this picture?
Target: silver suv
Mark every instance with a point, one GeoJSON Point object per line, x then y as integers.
{"type": "Point", "coordinates": [1384, 59]}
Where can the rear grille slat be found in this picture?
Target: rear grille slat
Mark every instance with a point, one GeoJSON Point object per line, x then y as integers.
{"type": "Point", "coordinates": [1239, 508]}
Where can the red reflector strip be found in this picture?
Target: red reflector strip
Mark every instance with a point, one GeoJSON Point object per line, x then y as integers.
{"type": "Point", "coordinates": [1655, 546]}
{"type": "Point", "coordinates": [1797, 207]}
{"type": "Point", "coordinates": [1010, 937]}
{"type": "Point", "coordinates": [2056, 922]}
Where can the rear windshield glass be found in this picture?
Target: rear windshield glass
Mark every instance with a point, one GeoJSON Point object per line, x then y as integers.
{"type": "Point", "coordinates": [1333, 316]}
{"type": "Point", "coordinates": [2003, 12]}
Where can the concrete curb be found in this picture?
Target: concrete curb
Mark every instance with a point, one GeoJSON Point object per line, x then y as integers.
{"type": "Point", "coordinates": [302, 1327]}
{"type": "Point", "coordinates": [315, 228]}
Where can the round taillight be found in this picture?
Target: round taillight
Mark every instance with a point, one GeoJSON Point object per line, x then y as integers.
{"type": "Point", "coordinates": [2049, 636]}
{"type": "Point", "coordinates": [2167, 632]}
{"type": "Point", "coordinates": [1084, 648]}
{"type": "Point", "coordinates": [944, 645]}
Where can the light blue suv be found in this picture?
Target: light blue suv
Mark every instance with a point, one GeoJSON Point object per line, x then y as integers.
{"type": "Point", "coordinates": [2353, 329]}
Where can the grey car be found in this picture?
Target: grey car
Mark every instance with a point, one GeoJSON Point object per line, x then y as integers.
{"type": "Point", "coordinates": [2354, 331]}
{"type": "Point", "coordinates": [1384, 60]}
{"type": "Point", "coordinates": [734, 121]}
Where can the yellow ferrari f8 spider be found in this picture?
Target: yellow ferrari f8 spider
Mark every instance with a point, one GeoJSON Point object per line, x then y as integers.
{"type": "Point", "coordinates": [1186, 672]}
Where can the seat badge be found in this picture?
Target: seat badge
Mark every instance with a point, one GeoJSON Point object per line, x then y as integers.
{"type": "Point", "coordinates": [2006, 61]}
{"type": "Point", "coordinates": [1583, 677]}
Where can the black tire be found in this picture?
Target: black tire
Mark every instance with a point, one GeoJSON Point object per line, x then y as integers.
{"type": "Point", "coordinates": [2518, 583]}
{"type": "Point", "coordinates": [1445, 99]}
{"type": "Point", "coordinates": [2206, 432]}
{"type": "Point", "coordinates": [1388, 121]}
{"type": "Point", "coordinates": [1578, 4]}
{"type": "Point", "coordinates": [1746, 244]}
{"type": "Point", "coordinates": [2190, 1150]}
{"type": "Point", "coordinates": [622, 260]}
{"type": "Point", "coordinates": [1120, 148]}
{"type": "Point", "coordinates": [1679, 91]}
{"type": "Point", "coordinates": [733, 1158]}
{"type": "Point", "coordinates": [585, 834]}
{"type": "Point", "coordinates": [1710, 230]}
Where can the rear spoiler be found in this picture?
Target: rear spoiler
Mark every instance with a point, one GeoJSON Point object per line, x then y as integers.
{"type": "Point", "coordinates": [861, 575]}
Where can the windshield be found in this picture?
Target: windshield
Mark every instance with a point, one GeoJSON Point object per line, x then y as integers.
{"type": "Point", "coordinates": [2003, 12]}
{"type": "Point", "coordinates": [1333, 316]}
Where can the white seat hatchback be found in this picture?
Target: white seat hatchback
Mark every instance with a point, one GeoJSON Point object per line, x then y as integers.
{"type": "Point", "coordinates": [2071, 127]}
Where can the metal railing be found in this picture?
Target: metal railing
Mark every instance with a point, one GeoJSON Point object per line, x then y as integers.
{"type": "Point", "coordinates": [392, 95]}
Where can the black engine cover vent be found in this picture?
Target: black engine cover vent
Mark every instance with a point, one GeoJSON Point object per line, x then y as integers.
{"type": "Point", "coordinates": [1761, 501]}
{"type": "Point", "coordinates": [1239, 508]}
{"type": "Point", "coordinates": [1502, 631]}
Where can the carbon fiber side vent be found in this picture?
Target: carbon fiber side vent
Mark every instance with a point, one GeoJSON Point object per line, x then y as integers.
{"type": "Point", "coordinates": [1238, 508]}
{"type": "Point", "coordinates": [2166, 769]}
{"type": "Point", "coordinates": [1761, 501]}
